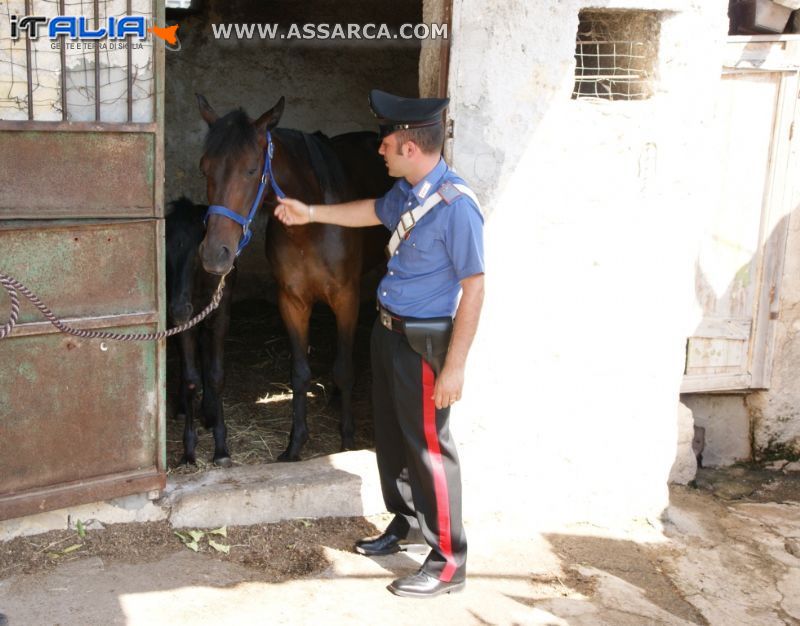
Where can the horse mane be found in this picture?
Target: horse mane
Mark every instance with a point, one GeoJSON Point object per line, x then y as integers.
{"type": "Point", "coordinates": [231, 134]}
{"type": "Point", "coordinates": [323, 160]}
{"type": "Point", "coordinates": [234, 132]}
{"type": "Point", "coordinates": [328, 166]}
{"type": "Point", "coordinates": [185, 209]}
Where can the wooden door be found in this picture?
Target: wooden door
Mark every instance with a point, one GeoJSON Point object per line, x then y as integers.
{"type": "Point", "coordinates": [739, 268]}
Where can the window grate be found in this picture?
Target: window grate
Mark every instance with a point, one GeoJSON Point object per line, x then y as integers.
{"type": "Point", "coordinates": [42, 81]}
{"type": "Point", "coordinates": [615, 55]}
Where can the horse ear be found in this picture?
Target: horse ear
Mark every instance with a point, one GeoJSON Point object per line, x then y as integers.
{"type": "Point", "coordinates": [209, 115]}
{"type": "Point", "coordinates": [270, 119]}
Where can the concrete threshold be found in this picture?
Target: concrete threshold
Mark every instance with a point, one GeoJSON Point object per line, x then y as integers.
{"type": "Point", "coordinates": [340, 485]}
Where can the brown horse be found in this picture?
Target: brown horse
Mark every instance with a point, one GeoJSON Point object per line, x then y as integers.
{"type": "Point", "coordinates": [311, 263]}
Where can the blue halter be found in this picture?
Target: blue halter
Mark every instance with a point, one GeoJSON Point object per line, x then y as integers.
{"type": "Point", "coordinates": [244, 222]}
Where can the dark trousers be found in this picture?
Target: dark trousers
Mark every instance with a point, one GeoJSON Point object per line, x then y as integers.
{"type": "Point", "coordinates": [417, 458]}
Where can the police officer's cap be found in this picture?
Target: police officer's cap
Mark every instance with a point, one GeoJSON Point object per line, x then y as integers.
{"type": "Point", "coordinates": [397, 113]}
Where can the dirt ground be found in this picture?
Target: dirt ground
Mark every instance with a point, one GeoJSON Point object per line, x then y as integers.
{"type": "Point", "coordinates": [257, 398]}
{"type": "Point", "coordinates": [727, 554]}
{"type": "Point", "coordinates": [273, 552]}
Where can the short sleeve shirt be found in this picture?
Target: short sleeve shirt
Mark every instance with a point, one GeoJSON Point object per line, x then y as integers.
{"type": "Point", "coordinates": [446, 246]}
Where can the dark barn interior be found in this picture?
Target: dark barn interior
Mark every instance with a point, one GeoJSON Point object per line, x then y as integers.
{"type": "Point", "coordinates": [325, 83]}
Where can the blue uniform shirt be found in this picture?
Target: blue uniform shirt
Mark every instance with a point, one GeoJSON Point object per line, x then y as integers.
{"type": "Point", "coordinates": [444, 247]}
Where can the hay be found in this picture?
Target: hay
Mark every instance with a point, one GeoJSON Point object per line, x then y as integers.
{"type": "Point", "coordinates": [258, 400]}
{"type": "Point", "coordinates": [619, 25]}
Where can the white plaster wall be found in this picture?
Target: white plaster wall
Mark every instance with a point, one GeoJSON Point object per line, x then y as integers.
{"type": "Point", "coordinates": [595, 212]}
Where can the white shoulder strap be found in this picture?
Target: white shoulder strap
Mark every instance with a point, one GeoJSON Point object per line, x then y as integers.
{"type": "Point", "coordinates": [471, 194]}
{"type": "Point", "coordinates": [409, 219]}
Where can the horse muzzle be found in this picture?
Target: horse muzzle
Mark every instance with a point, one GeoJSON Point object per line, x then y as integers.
{"type": "Point", "coordinates": [217, 259]}
{"type": "Point", "coordinates": [181, 312]}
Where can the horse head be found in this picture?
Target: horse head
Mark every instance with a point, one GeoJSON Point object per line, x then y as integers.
{"type": "Point", "coordinates": [232, 163]}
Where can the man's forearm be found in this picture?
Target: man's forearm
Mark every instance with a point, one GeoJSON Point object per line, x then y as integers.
{"type": "Point", "coordinates": [466, 322]}
{"type": "Point", "coordinates": [356, 213]}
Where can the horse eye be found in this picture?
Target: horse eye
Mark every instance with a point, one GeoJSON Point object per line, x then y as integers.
{"type": "Point", "coordinates": [252, 172]}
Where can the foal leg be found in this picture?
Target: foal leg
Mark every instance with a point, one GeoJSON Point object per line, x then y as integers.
{"type": "Point", "coordinates": [214, 382]}
{"type": "Point", "coordinates": [189, 387]}
{"type": "Point", "coordinates": [295, 313]}
{"type": "Point", "coordinates": [345, 307]}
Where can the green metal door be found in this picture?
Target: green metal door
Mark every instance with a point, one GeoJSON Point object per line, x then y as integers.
{"type": "Point", "coordinates": [81, 224]}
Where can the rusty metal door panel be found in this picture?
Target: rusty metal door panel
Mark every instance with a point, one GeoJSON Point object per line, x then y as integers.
{"type": "Point", "coordinates": [81, 224]}
{"type": "Point", "coordinates": [73, 410]}
{"type": "Point", "coordinates": [83, 269]}
{"type": "Point", "coordinates": [52, 174]}
{"type": "Point", "coordinates": [81, 419]}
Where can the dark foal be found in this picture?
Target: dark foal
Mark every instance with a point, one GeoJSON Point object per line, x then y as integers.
{"type": "Point", "coordinates": [189, 290]}
{"type": "Point", "coordinates": [312, 263]}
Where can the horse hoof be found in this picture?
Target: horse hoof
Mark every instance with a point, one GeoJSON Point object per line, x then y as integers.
{"type": "Point", "coordinates": [288, 457]}
{"type": "Point", "coordinates": [187, 460]}
{"type": "Point", "coordinates": [223, 461]}
{"type": "Point", "coordinates": [348, 444]}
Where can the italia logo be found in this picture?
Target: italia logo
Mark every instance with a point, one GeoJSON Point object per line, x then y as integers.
{"type": "Point", "coordinates": [81, 27]}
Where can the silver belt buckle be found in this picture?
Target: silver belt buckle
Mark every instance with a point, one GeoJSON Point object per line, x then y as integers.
{"type": "Point", "coordinates": [386, 319]}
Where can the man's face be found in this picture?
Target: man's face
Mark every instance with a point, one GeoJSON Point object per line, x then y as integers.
{"type": "Point", "coordinates": [394, 155]}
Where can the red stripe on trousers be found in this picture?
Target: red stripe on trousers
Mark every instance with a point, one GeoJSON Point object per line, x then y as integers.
{"type": "Point", "coordinates": [437, 466]}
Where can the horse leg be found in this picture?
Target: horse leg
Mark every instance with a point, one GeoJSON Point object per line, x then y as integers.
{"type": "Point", "coordinates": [345, 307]}
{"type": "Point", "coordinates": [295, 313]}
{"type": "Point", "coordinates": [189, 383]}
{"type": "Point", "coordinates": [214, 382]}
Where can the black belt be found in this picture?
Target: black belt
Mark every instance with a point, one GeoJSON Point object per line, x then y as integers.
{"type": "Point", "coordinates": [390, 320]}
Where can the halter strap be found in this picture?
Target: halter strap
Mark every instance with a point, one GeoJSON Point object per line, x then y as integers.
{"type": "Point", "coordinates": [244, 222]}
{"type": "Point", "coordinates": [270, 150]}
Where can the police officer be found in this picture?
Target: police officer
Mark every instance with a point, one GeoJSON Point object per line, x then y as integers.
{"type": "Point", "coordinates": [418, 352]}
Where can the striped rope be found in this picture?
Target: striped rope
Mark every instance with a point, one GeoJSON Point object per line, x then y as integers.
{"type": "Point", "coordinates": [14, 288]}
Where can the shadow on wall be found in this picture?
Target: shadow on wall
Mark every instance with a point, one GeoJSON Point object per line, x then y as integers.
{"type": "Point", "coordinates": [744, 345]}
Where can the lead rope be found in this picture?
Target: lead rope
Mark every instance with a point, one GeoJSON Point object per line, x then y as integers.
{"type": "Point", "coordinates": [13, 287]}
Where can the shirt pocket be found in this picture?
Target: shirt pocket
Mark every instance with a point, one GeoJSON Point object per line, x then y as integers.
{"type": "Point", "coordinates": [422, 244]}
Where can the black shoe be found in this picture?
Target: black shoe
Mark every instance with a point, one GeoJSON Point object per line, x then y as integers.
{"type": "Point", "coordinates": [387, 543]}
{"type": "Point", "coordinates": [423, 585]}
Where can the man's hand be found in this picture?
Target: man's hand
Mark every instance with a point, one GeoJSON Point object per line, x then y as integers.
{"type": "Point", "coordinates": [449, 385]}
{"type": "Point", "coordinates": [450, 381]}
{"type": "Point", "coordinates": [293, 212]}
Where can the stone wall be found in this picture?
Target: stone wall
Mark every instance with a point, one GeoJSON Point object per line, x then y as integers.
{"type": "Point", "coordinates": [775, 413]}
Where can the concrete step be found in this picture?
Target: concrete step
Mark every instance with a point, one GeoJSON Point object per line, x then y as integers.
{"type": "Point", "coordinates": [339, 485]}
